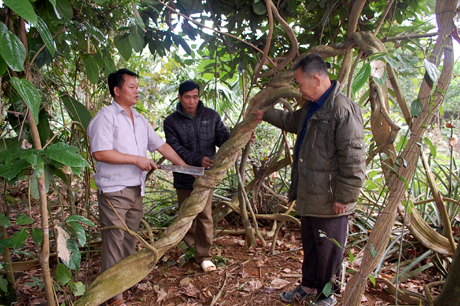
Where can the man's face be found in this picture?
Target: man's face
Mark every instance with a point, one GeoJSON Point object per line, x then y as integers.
{"type": "Point", "coordinates": [309, 85]}
{"type": "Point", "coordinates": [128, 94]}
{"type": "Point", "coordinates": [189, 101]}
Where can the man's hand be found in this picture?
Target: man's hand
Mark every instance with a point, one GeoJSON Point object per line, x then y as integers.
{"type": "Point", "coordinates": [206, 163]}
{"type": "Point", "coordinates": [339, 208]}
{"type": "Point", "coordinates": [258, 114]}
{"type": "Point", "coordinates": [144, 163]}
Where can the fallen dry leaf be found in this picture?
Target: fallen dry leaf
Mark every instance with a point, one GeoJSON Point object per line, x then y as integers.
{"type": "Point", "coordinates": [161, 294]}
{"type": "Point", "coordinates": [279, 283]}
{"type": "Point", "coordinates": [252, 285]}
{"type": "Point", "coordinates": [185, 282]}
{"type": "Point", "coordinates": [190, 291]}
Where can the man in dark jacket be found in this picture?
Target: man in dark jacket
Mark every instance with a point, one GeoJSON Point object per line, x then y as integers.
{"type": "Point", "coordinates": [194, 131]}
{"type": "Point", "coordinates": [327, 174]}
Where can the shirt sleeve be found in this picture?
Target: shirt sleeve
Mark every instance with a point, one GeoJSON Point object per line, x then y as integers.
{"type": "Point", "coordinates": [154, 141]}
{"type": "Point", "coordinates": [100, 133]}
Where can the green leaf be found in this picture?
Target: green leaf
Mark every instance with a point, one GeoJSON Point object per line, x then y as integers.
{"type": "Point", "coordinates": [431, 146]}
{"type": "Point", "coordinates": [79, 231]}
{"type": "Point", "coordinates": [373, 251]}
{"type": "Point", "coordinates": [259, 8]}
{"type": "Point", "coordinates": [63, 274]}
{"type": "Point", "coordinates": [100, 2]}
{"type": "Point", "coordinates": [11, 49]}
{"type": "Point", "coordinates": [3, 66]}
{"type": "Point", "coordinates": [23, 8]}
{"type": "Point", "coordinates": [136, 38]}
{"type": "Point", "coordinates": [37, 234]}
{"type": "Point", "coordinates": [79, 219]}
{"type": "Point", "coordinates": [431, 70]}
{"type": "Point", "coordinates": [4, 221]}
{"type": "Point", "coordinates": [327, 289]}
{"type": "Point", "coordinates": [351, 257]}
{"type": "Point", "coordinates": [109, 65]}
{"type": "Point", "coordinates": [24, 220]}
{"type": "Point", "coordinates": [92, 70]}
{"type": "Point", "coordinates": [123, 45]}
{"type": "Point", "coordinates": [78, 288]}
{"type": "Point", "coordinates": [77, 111]}
{"type": "Point", "coordinates": [29, 94]}
{"type": "Point", "coordinates": [64, 9]}
{"type": "Point", "coordinates": [19, 238]}
{"type": "Point", "coordinates": [416, 108]}
{"type": "Point", "coordinates": [75, 255]}
{"type": "Point", "coordinates": [64, 154]}
{"type": "Point", "coordinates": [372, 279]}
{"type": "Point", "coordinates": [361, 78]}
{"type": "Point", "coordinates": [16, 168]}
{"type": "Point", "coordinates": [46, 36]}
{"type": "Point", "coordinates": [3, 284]}
{"type": "Point", "coordinates": [53, 2]}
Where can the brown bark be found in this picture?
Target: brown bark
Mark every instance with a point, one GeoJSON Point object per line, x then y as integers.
{"type": "Point", "coordinates": [445, 12]}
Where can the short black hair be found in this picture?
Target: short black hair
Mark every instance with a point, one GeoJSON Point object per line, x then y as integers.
{"type": "Point", "coordinates": [311, 64]}
{"type": "Point", "coordinates": [117, 79]}
{"type": "Point", "coordinates": [188, 85]}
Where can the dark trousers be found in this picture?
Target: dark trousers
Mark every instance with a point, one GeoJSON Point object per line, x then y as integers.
{"type": "Point", "coordinates": [323, 258]}
{"type": "Point", "coordinates": [201, 232]}
{"type": "Point", "coordinates": [118, 244]}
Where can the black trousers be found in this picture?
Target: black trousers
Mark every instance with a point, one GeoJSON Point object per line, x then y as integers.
{"type": "Point", "coordinates": [322, 257]}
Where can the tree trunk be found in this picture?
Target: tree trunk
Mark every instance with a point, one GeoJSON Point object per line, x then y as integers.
{"type": "Point", "coordinates": [445, 13]}
{"type": "Point", "coordinates": [450, 295]}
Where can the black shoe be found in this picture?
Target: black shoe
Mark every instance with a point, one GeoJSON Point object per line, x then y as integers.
{"type": "Point", "coordinates": [326, 301]}
{"type": "Point", "coordinates": [296, 294]}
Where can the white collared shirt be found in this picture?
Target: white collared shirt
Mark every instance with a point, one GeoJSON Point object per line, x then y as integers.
{"type": "Point", "coordinates": [112, 129]}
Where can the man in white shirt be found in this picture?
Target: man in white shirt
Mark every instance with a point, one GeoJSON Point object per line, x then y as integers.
{"type": "Point", "coordinates": [120, 138]}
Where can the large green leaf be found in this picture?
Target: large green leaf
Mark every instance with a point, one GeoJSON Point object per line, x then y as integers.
{"type": "Point", "coordinates": [3, 284]}
{"type": "Point", "coordinates": [79, 232]}
{"type": "Point", "coordinates": [24, 220]}
{"type": "Point", "coordinates": [124, 46]}
{"type": "Point", "coordinates": [4, 221]}
{"type": "Point", "coordinates": [75, 255]}
{"type": "Point", "coordinates": [34, 192]}
{"type": "Point", "coordinates": [136, 38]}
{"type": "Point", "coordinates": [109, 65]}
{"type": "Point", "coordinates": [29, 94]}
{"type": "Point", "coordinates": [416, 108]}
{"type": "Point", "coordinates": [77, 111]}
{"type": "Point", "coordinates": [23, 8]}
{"type": "Point", "coordinates": [361, 78]}
{"type": "Point", "coordinates": [64, 9]}
{"type": "Point", "coordinates": [46, 35]}
{"type": "Point", "coordinates": [37, 234]}
{"type": "Point", "coordinates": [80, 219]}
{"type": "Point", "coordinates": [11, 49]}
{"type": "Point", "coordinates": [92, 70]}
{"type": "Point", "coordinates": [3, 66]}
{"type": "Point", "coordinates": [9, 144]}
{"type": "Point", "coordinates": [66, 155]}
{"type": "Point", "coordinates": [63, 275]}
{"type": "Point", "coordinates": [15, 169]}
{"type": "Point", "coordinates": [19, 238]}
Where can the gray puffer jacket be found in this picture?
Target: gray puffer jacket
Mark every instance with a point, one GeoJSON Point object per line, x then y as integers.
{"type": "Point", "coordinates": [193, 139]}
{"type": "Point", "coordinates": [331, 164]}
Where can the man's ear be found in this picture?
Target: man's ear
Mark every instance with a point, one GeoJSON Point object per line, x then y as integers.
{"type": "Point", "coordinates": [317, 79]}
{"type": "Point", "coordinates": [179, 97]}
{"type": "Point", "coordinates": [116, 91]}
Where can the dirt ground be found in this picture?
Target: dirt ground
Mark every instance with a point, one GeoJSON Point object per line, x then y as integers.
{"type": "Point", "coordinates": [249, 277]}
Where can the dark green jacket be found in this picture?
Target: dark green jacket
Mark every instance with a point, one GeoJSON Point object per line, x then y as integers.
{"type": "Point", "coordinates": [331, 163]}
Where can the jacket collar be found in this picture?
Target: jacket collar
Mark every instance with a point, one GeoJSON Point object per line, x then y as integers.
{"type": "Point", "coordinates": [199, 109]}
{"type": "Point", "coordinates": [329, 103]}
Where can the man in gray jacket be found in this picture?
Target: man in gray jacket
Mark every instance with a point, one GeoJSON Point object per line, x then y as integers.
{"type": "Point", "coordinates": [327, 174]}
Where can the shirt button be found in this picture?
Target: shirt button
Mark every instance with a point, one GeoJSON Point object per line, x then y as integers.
{"type": "Point", "coordinates": [301, 160]}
